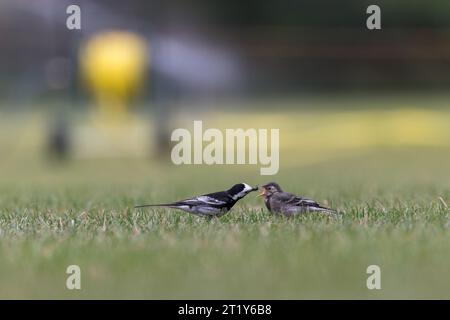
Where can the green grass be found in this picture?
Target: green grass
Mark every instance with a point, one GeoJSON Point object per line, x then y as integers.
{"type": "Point", "coordinates": [52, 216]}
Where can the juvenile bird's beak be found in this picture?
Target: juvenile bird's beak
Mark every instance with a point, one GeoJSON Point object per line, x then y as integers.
{"type": "Point", "coordinates": [263, 193]}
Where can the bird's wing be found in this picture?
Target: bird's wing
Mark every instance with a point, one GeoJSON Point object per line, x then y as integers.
{"type": "Point", "coordinates": [202, 200]}
{"type": "Point", "coordinates": [291, 199]}
{"type": "Point", "coordinates": [216, 199]}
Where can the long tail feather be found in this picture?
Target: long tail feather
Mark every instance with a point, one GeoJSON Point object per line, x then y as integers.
{"type": "Point", "coordinates": [155, 205]}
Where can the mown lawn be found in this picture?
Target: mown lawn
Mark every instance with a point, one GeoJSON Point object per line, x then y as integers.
{"type": "Point", "coordinates": [55, 215]}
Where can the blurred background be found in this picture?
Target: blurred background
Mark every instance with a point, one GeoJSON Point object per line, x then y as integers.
{"type": "Point", "coordinates": [85, 123]}
{"type": "Point", "coordinates": [135, 70]}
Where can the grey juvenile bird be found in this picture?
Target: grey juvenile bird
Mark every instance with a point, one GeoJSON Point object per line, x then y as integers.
{"type": "Point", "coordinates": [212, 204]}
{"type": "Point", "coordinates": [279, 202]}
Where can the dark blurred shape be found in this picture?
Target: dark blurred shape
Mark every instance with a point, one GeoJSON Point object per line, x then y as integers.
{"type": "Point", "coordinates": [59, 139]}
{"type": "Point", "coordinates": [225, 49]}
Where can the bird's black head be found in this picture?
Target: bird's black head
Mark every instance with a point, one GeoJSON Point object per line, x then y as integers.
{"type": "Point", "coordinates": [240, 190]}
{"type": "Point", "coordinates": [270, 188]}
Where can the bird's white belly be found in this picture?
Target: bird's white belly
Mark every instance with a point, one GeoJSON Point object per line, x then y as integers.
{"type": "Point", "coordinates": [202, 210]}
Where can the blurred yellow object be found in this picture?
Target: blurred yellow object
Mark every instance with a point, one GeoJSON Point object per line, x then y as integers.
{"type": "Point", "coordinates": [113, 66]}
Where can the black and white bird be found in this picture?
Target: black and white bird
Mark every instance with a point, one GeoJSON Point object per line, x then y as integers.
{"type": "Point", "coordinates": [282, 203]}
{"type": "Point", "coordinates": [212, 204]}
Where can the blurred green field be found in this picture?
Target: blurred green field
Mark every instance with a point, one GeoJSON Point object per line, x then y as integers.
{"type": "Point", "coordinates": [53, 215]}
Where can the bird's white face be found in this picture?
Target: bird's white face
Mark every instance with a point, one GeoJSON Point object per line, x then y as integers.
{"type": "Point", "coordinates": [247, 188]}
{"type": "Point", "coordinates": [244, 192]}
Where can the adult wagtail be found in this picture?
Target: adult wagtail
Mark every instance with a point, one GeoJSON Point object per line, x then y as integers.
{"type": "Point", "coordinates": [212, 204]}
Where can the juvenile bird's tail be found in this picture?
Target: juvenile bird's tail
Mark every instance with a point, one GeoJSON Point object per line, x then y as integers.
{"type": "Point", "coordinates": [329, 211]}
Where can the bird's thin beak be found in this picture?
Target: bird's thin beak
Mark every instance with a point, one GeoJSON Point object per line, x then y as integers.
{"type": "Point", "coordinates": [255, 188]}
